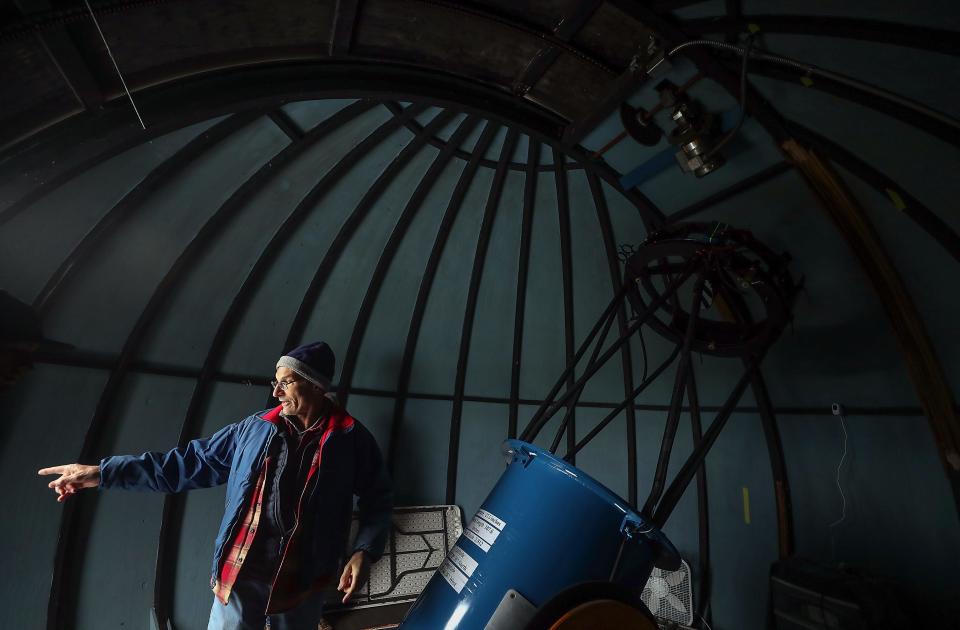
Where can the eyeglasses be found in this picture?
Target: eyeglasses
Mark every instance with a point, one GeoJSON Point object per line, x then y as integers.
{"type": "Point", "coordinates": [283, 384]}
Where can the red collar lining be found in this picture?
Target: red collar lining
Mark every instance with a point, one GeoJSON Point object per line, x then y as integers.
{"type": "Point", "coordinates": [339, 419]}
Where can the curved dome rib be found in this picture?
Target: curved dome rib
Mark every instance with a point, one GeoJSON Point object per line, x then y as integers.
{"type": "Point", "coordinates": [919, 37]}
{"type": "Point", "coordinates": [778, 465]}
{"type": "Point", "coordinates": [581, 161]}
{"type": "Point", "coordinates": [626, 363]}
{"type": "Point", "coordinates": [938, 124]}
{"type": "Point", "coordinates": [916, 211]}
{"type": "Point", "coordinates": [426, 283]}
{"type": "Point", "coordinates": [411, 208]}
{"type": "Point", "coordinates": [168, 169]}
{"type": "Point", "coordinates": [529, 194]}
{"type": "Point", "coordinates": [566, 266]}
{"type": "Point", "coordinates": [465, 155]}
{"type": "Point", "coordinates": [760, 177]}
{"type": "Point", "coordinates": [349, 227]}
{"type": "Point", "coordinates": [51, 184]}
{"type": "Point", "coordinates": [286, 124]}
{"type": "Point", "coordinates": [483, 240]}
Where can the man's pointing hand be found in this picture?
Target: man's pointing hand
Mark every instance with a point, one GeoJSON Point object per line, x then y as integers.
{"type": "Point", "coordinates": [73, 477]}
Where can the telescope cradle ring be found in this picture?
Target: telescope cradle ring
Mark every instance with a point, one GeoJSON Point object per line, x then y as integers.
{"type": "Point", "coordinates": [747, 294]}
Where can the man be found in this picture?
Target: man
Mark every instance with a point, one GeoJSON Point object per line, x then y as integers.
{"type": "Point", "coordinates": [291, 473]}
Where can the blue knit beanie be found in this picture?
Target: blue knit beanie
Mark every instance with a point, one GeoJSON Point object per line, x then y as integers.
{"type": "Point", "coordinates": [313, 361]}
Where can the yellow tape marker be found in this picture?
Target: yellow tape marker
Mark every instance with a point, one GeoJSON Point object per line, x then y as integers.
{"type": "Point", "coordinates": [753, 28]}
{"type": "Point", "coordinates": [897, 200]}
{"type": "Point", "coordinates": [806, 81]}
{"type": "Point", "coordinates": [746, 505]}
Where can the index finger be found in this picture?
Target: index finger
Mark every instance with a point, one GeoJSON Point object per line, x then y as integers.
{"type": "Point", "coordinates": [53, 470]}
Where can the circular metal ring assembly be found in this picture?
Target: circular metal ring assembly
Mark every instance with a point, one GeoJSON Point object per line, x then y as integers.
{"type": "Point", "coordinates": [747, 292]}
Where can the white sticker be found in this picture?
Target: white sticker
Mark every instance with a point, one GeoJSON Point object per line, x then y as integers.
{"type": "Point", "coordinates": [453, 576]}
{"type": "Point", "coordinates": [491, 518]}
{"type": "Point", "coordinates": [463, 560]}
{"type": "Point", "coordinates": [479, 542]}
{"type": "Point", "coordinates": [484, 530]}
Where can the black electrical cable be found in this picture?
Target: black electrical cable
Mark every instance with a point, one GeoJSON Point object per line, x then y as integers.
{"type": "Point", "coordinates": [743, 101]}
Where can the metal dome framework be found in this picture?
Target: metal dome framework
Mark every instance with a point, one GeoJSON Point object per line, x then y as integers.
{"type": "Point", "coordinates": [381, 73]}
{"type": "Point", "coordinates": [78, 515]}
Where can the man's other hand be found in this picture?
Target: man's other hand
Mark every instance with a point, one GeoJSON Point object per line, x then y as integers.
{"type": "Point", "coordinates": [354, 575]}
{"type": "Point", "coordinates": [73, 477]}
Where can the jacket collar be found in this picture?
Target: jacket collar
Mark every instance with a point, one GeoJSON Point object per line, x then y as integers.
{"type": "Point", "coordinates": [340, 420]}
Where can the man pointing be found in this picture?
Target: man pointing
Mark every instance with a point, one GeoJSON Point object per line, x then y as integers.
{"type": "Point", "coordinates": [291, 474]}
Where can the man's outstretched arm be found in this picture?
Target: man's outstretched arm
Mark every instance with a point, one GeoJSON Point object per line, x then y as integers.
{"type": "Point", "coordinates": [202, 463]}
{"type": "Point", "coordinates": [73, 477]}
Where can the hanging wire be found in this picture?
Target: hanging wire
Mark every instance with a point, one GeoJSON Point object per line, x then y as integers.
{"type": "Point", "coordinates": [116, 67]}
{"type": "Point", "coordinates": [843, 510]}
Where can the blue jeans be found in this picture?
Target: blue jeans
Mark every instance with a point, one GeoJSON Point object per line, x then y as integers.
{"type": "Point", "coordinates": [245, 608]}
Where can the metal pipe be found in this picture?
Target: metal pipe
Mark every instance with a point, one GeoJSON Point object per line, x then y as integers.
{"type": "Point", "coordinates": [571, 405]}
{"type": "Point", "coordinates": [535, 420]}
{"type": "Point", "coordinates": [620, 407]}
{"type": "Point", "coordinates": [778, 466]}
{"type": "Point", "coordinates": [703, 505]}
{"type": "Point", "coordinates": [679, 484]}
{"type": "Point", "coordinates": [640, 321]}
{"type": "Point", "coordinates": [566, 264]}
{"type": "Point", "coordinates": [626, 362]}
{"type": "Point", "coordinates": [676, 400]}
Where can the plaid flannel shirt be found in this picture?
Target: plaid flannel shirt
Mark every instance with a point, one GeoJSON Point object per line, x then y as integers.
{"type": "Point", "coordinates": [284, 593]}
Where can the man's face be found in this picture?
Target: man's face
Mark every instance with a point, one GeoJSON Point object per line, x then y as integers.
{"type": "Point", "coordinates": [300, 397]}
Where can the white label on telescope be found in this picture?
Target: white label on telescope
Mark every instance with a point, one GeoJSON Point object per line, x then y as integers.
{"type": "Point", "coordinates": [484, 530]}
{"type": "Point", "coordinates": [453, 576]}
{"type": "Point", "coordinates": [479, 542]}
{"type": "Point", "coordinates": [491, 518]}
{"type": "Point", "coordinates": [463, 560]}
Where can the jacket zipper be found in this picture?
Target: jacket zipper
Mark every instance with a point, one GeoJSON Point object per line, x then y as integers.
{"type": "Point", "coordinates": [296, 522]}
{"type": "Point", "coordinates": [278, 505]}
{"type": "Point", "coordinates": [277, 479]}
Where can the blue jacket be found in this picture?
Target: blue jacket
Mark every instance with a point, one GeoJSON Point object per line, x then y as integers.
{"type": "Point", "coordinates": [350, 464]}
